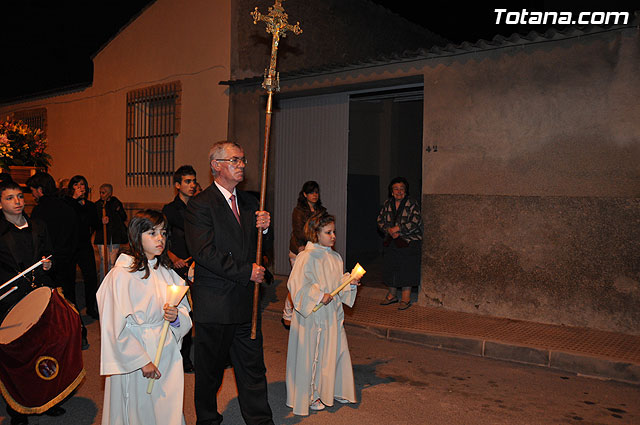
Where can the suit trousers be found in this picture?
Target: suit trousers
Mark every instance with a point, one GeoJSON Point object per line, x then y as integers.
{"type": "Point", "coordinates": [214, 343]}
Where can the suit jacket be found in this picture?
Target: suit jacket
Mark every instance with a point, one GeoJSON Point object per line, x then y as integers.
{"type": "Point", "coordinates": [224, 252]}
{"type": "Point", "coordinates": [174, 211]}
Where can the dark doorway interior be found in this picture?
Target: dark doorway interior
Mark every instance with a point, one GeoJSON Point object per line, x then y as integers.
{"type": "Point", "coordinates": [385, 141]}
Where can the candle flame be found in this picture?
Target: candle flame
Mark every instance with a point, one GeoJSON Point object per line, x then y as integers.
{"type": "Point", "coordinates": [358, 271]}
{"type": "Point", "coordinates": [175, 294]}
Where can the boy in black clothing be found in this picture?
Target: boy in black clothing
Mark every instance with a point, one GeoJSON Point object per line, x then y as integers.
{"type": "Point", "coordinates": [23, 242]}
{"type": "Point", "coordinates": [184, 180]}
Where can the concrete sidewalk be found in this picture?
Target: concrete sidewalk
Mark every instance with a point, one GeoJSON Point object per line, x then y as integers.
{"type": "Point", "coordinates": [587, 352]}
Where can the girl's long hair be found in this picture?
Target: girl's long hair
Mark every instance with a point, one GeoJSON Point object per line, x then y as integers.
{"type": "Point", "coordinates": [141, 222]}
{"type": "Point", "coordinates": [314, 225]}
{"type": "Point", "coordinates": [309, 187]}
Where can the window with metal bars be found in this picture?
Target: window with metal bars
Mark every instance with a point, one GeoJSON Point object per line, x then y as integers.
{"type": "Point", "coordinates": [34, 118]}
{"type": "Point", "coordinates": [153, 123]}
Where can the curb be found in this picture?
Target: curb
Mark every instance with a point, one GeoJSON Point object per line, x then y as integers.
{"type": "Point", "coordinates": [580, 364]}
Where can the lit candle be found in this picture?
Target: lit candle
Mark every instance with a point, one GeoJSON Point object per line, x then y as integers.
{"type": "Point", "coordinates": [174, 295]}
{"type": "Point", "coordinates": [356, 274]}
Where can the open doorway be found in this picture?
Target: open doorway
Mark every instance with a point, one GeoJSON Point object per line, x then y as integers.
{"type": "Point", "coordinates": [385, 141]}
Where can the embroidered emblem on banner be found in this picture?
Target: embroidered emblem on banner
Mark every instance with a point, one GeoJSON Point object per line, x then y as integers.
{"type": "Point", "coordinates": [47, 368]}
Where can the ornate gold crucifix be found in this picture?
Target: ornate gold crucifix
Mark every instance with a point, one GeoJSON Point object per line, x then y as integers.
{"type": "Point", "coordinates": [277, 25]}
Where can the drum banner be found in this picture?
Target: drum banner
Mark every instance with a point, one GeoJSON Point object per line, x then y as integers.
{"type": "Point", "coordinates": [43, 366]}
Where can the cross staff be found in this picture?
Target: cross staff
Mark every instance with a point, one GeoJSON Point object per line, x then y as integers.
{"type": "Point", "coordinates": [277, 25]}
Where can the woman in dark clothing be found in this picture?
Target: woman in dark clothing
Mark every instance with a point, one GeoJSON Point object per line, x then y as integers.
{"type": "Point", "coordinates": [87, 223]}
{"type": "Point", "coordinates": [400, 220]}
{"type": "Point", "coordinates": [309, 203]}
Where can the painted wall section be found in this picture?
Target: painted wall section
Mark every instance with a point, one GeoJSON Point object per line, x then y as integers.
{"type": "Point", "coordinates": [532, 202]}
{"type": "Point", "coordinates": [167, 42]}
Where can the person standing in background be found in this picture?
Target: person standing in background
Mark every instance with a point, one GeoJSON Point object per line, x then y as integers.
{"type": "Point", "coordinates": [61, 220]}
{"type": "Point", "coordinates": [87, 224]}
{"type": "Point", "coordinates": [184, 180]}
{"type": "Point", "coordinates": [112, 213]}
{"type": "Point", "coordinates": [400, 220]}
{"type": "Point", "coordinates": [308, 204]}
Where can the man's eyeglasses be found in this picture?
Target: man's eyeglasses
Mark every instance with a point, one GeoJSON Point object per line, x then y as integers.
{"type": "Point", "coordinates": [235, 161]}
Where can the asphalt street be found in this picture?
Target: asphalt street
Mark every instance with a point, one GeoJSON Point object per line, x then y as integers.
{"type": "Point", "coordinates": [399, 383]}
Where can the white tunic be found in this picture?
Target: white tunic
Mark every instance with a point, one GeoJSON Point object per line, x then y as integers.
{"type": "Point", "coordinates": [318, 360]}
{"type": "Point", "coordinates": [131, 318]}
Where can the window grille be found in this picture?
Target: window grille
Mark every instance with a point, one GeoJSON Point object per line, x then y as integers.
{"type": "Point", "coordinates": [153, 123]}
{"type": "Point", "coordinates": [34, 118]}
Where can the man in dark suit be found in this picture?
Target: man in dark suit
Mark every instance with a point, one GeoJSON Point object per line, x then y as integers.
{"type": "Point", "coordinates": [221, 226]}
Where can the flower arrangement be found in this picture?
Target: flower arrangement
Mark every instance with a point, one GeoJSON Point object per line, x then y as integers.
{"type": "Point", "coordinates": [21, 145]}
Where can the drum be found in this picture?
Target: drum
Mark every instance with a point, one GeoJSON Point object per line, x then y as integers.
{"type": "Point", "coordinates": [40, 352]}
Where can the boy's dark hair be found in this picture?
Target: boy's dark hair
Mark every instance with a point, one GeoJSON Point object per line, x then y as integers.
{"type": "Point", "coordinates": [141, 222]}
{"type": "Point", "coordinates": [44, 181]}
{"type": "Point", "coordinates": [315, 223]}
{"type": "Point", "coordinates": [5, 177]}
{"type": "Point", "coordinates": [9, 184]}
{"type": "Point", "coordinates": [185, 170]}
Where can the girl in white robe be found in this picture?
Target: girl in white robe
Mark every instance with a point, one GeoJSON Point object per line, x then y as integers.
{"type": "Point", "coordinates": [319, 367]}
{"type": "Point", "coordinates": [132, 305]}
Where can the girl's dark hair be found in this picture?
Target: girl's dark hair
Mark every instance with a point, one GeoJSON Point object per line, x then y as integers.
{"type": "Point", "coordinates": [315, 223]}
{"type": "Point", "coordinates": [399, 180]}
{"type": "Point", "coordinates": [141, 222]}
{"type": "Point", "coordinates": [77, 179]}
{"type": "Point", "coordinates": [307, 188]}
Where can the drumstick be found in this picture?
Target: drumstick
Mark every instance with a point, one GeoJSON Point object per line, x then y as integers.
{"type": "Point", "coordinates": [8, 292]}
{"type": "Point", "coordinates": [19, 275]}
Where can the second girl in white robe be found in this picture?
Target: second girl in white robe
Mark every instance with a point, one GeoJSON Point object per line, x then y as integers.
{"type": "Point", "coordinates": [318, 360]}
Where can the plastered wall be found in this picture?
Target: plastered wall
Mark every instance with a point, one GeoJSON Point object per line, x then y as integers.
{"type": "Point", "coordinates": [532, 202]}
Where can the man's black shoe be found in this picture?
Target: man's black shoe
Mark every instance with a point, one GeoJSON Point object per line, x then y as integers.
{"type": "Point", "coordinates": [85, 346]}
{"type": "Point", "coordinates": [55, 411]}
{"type": "Point", "coordinates": [187, 366]}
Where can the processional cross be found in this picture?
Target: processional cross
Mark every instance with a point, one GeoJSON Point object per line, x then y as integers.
{"type": "Point", "coordinates": [277, 25]}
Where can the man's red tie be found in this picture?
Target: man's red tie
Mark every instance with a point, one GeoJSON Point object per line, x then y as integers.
{"type": "Point", "coordinates": [234, 208]}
